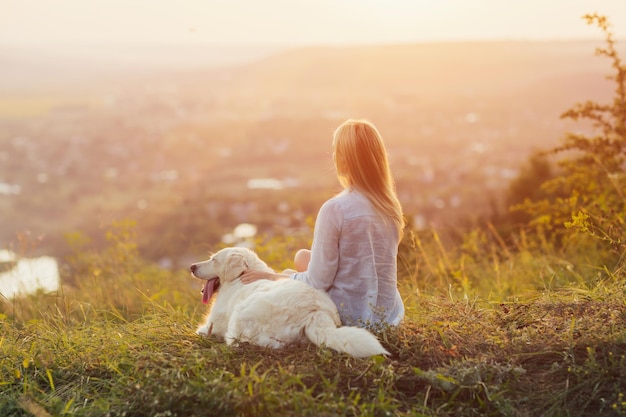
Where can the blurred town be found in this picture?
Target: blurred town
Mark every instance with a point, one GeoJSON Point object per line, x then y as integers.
{"type": "Point", "coordinates": [192, 152]}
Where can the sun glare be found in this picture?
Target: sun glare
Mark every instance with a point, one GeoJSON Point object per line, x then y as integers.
{"type": "Point", "coordinates": [309, 22]}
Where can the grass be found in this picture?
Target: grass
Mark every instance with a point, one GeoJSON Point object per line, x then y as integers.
{"type": "Point", "coordinates": [456, 358]}
{"type": "Point", "coordinates": [120, 342]}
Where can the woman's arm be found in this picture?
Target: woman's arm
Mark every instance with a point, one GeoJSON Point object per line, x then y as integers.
{"type": "Point", "coordinates": [324, 253]}
{"type": "Point", "coordinates": [325, 250]}
{"type": "Point", "coordinates": [254, 275]}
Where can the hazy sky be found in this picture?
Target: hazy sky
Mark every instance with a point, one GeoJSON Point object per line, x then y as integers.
{"type": "Point", "coordinates": [298, 21]}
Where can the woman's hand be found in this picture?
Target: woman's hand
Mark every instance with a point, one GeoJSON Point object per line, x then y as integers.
{"type": "Point", "coordinates": [252, 275]}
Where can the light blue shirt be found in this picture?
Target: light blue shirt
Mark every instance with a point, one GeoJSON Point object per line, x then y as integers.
{"type": "Point", "coordinates": [354, 259]}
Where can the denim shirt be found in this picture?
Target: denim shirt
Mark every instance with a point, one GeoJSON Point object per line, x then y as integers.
{"type": "Point", "coordinates": [354, 259]}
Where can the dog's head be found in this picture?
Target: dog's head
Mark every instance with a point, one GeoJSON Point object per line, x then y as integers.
{"type": "Point", "coordinates": [223, 267]}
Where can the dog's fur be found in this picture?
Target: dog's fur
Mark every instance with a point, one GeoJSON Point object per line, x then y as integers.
{"type": "Point", "coordinates": [273, 313]}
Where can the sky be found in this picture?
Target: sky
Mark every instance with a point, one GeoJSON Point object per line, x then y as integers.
{"type": "Point", "coordinates": [41, 22]}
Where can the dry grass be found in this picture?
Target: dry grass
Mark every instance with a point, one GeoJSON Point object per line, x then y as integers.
{"type": "Point", "coordinates": [454, 358]}
{"type": "Point", "coordinates": [119, 341]}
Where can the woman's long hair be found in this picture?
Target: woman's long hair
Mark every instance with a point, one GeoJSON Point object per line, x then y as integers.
{"type": "Point", "coordinates": [361, 161]}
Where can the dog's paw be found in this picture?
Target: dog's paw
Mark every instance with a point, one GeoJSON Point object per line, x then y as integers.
{"type": "Point", "coordinates": [204, 330]}
{"type": "Point", "coordinates": [232, 342]}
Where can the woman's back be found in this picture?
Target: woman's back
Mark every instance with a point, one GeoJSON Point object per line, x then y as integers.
{"type": "Point", "coordinates": [357, 248]}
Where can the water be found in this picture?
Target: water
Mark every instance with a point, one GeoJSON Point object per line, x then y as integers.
{"type": "Point", "coordinates": [23, 276]}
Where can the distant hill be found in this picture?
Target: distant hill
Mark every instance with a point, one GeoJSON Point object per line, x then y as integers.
{"type": "Point", "coordinates": [432, 72]}
{"type": "Point", "coordinates": [428, 70]}
{"type": "Point", "coordinates": [32, 68]}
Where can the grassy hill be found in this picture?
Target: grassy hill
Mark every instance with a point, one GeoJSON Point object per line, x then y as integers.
{"type": "Point", "coordinates": [494, 333]}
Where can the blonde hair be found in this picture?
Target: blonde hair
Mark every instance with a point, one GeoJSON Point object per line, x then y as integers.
{"type": "Point", "coordinates": [362, 163]}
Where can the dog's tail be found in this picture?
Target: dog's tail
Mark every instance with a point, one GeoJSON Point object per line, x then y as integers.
{"type": "Point", "coordinates": [355, 341]}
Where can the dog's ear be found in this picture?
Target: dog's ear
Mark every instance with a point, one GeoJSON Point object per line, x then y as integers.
{"type": "Point", "coordinates": [237, 265]}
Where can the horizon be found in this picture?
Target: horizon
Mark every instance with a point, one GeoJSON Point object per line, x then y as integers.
{"type": "Point", "coordinates": [283, 45]}
{"type": "Point", "coordinates": [29, 64]}
{"type": "Point", "coordinates": [31, 67]}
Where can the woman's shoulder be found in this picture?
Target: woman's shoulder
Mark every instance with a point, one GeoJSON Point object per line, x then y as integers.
{"type": "Point", "coordinates": [344, 197]}
{"type": "Point", "coordinates": [348, 201]}
{"type": "Point", "coordinates": [332, 203]}
{"type": "Point", "coordinates": [337, 203]}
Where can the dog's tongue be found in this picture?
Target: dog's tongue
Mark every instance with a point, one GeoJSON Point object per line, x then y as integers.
{"type": "Point", "coordinates": [207, 291]}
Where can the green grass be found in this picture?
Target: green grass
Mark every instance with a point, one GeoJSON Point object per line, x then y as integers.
{"type": "Point", "coordinates": [487, 332]}
{"type": "Point", "coordinates": [555, 357]}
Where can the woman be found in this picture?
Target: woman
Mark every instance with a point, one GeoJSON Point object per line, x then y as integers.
{"type": "Point", "coordinates": [357, 232]}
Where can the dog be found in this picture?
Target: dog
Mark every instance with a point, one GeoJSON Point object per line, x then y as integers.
{"type": "Point", "coordinates": [272, 313]}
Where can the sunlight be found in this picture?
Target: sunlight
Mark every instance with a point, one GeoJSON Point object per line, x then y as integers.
{"type": "Point", "coordinates": [287, 22]}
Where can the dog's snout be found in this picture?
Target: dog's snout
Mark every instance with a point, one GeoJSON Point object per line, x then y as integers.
{"type": "Point", "coordinates": [193, 268]}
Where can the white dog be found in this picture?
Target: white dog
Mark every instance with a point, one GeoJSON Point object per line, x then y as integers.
{"type": "Point", "coordinates": [273, 313]}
